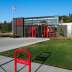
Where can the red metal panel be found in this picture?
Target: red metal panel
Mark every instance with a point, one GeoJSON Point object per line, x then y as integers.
{"type": "Point", "coordinates": [45, 31]}
{"type": "Point", "coordinates": [32, 31]}
{"type": "Point", "coordinates": [19, 21]}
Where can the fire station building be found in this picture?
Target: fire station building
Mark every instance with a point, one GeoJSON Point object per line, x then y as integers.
{"type": "Point", "coordinates": [45, 26]}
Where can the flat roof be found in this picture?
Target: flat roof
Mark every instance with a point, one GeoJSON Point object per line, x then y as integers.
{"type": "Point", "coordinates": [38, 17]}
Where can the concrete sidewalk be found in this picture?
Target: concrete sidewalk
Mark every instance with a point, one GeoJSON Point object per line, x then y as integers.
{"type": "Point", "coordinates": [13, 43]}
{"type": "Point", "coordinates": [36, 67]}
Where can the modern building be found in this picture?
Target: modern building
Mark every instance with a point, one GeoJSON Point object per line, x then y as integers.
{"type": "Point", "coordinates": [66, 29]}
{"type": "Point", "coordinates": [45, 26]}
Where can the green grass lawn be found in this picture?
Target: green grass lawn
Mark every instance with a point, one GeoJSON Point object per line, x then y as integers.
{"type": "Point", "coordinates": [61, 52]}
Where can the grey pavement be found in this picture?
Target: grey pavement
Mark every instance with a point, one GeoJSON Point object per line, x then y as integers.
{"type": "Point", "coordinates": [9, 67]}
{"type": "Point", "coordinates": [12, 43]}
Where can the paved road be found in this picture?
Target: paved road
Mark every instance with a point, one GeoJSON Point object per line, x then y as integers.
{"type": "Point", "coordinates": [9, 67]}
{"type": "Point", "coordinates": [12, 43]}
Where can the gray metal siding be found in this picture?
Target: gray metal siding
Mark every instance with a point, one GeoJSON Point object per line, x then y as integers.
{"type": "Point", "coordinates": [14, 25]}
{"type": "Point", "coordinates": [62, 29]}
{"type": "Point", "coordinates": [19, 31]}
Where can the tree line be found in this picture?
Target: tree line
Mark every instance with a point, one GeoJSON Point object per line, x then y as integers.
{"type": "Point", "coordinates": [5, 27]}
